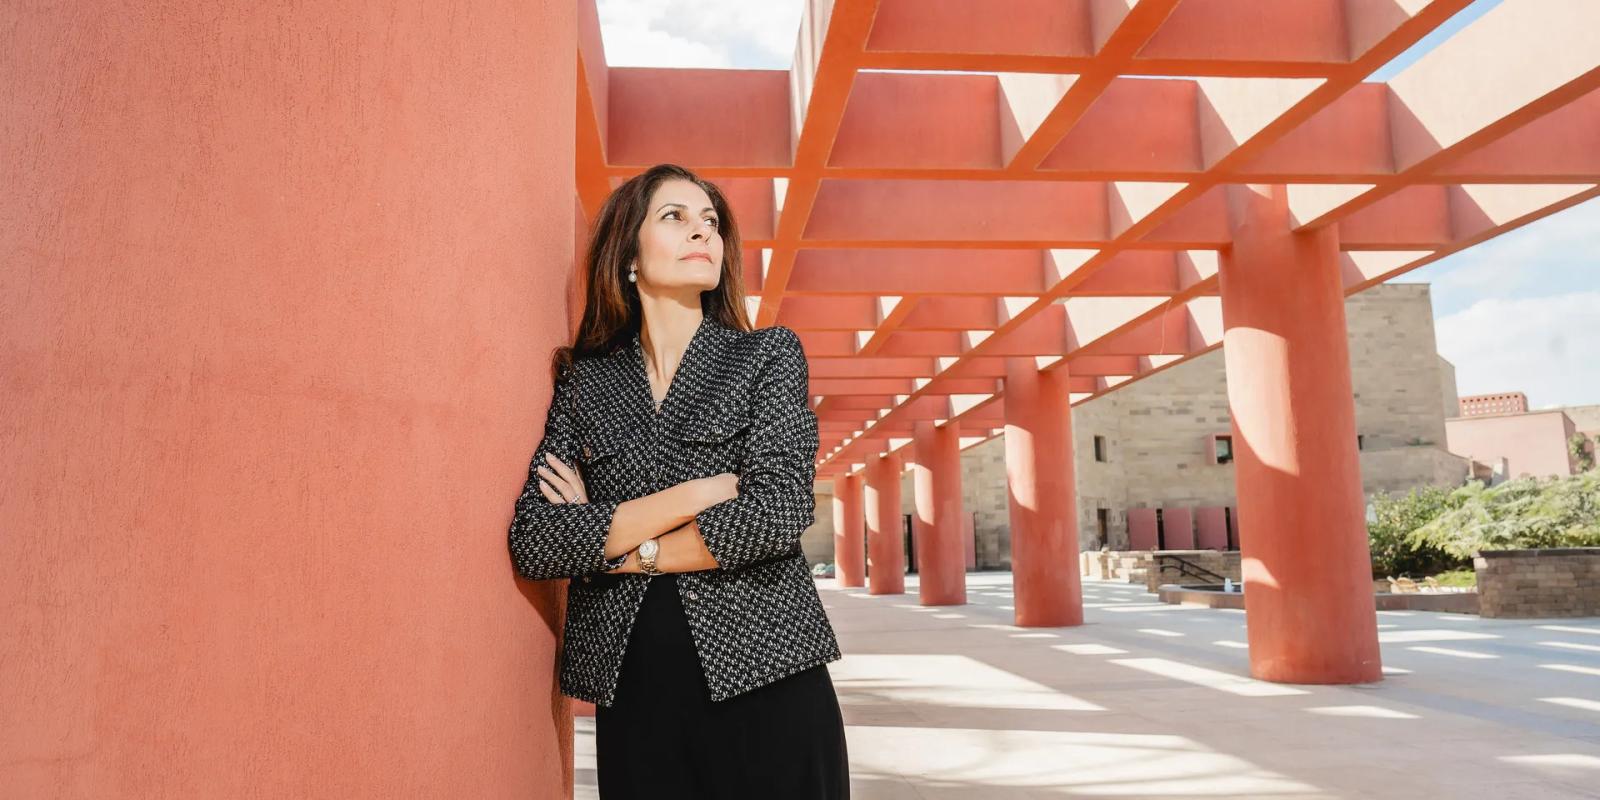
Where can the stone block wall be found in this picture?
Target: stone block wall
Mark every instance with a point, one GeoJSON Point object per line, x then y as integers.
{"type": "Point", "coordinates": [1111, 565]}
{"type": "Point", "coordinates": [984, 496]}
{"type": "Point", "coordinates": [1401, 469]}
{"type": "Point", "coordinates": [1539, 583]}
{"type": "Point", "coordinates": [1225, 564]}
{"type": "Point", "coordinates": [1138, 566]}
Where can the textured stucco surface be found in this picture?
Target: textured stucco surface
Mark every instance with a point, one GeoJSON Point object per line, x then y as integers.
{"type": "Point", "coordinates": [280, 284]}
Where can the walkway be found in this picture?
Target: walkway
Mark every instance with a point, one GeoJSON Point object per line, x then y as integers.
{"type": "Point", "coordinates": [1151, 700]}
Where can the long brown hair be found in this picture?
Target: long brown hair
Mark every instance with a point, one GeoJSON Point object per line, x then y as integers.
{"type": "Point", "coordinates": [611, 310]}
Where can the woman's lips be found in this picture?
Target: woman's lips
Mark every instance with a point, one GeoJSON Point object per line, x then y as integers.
{"type": "Point", "coordinates": [697, 257]}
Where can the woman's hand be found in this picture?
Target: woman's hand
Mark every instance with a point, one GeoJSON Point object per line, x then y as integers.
{"type": "Point", "coordinates": [560, 483]}
{"type": "Point", "coordinates": [682, 550]}
{"type": "Point", "coordinates": [629, 564]}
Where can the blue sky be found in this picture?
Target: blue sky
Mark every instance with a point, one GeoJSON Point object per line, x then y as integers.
{"type": "Point", "coordinates": [1432, 40]}
{"type": "Point", "coordinates": [1518, 313]}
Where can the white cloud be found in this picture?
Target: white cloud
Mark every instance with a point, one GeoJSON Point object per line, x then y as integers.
{"type": "Point", "coordinates": [628, 46]}
{"type": "Point", "coordinates": [1546, 347]}
{"type": "Point", "coordinates": [1559, 237]}
{"type": "Point", "coordinates": [1521, 312]}
{"type": "Point", "coordinates": [745, 34]}
{"type": "Point", "coordinates": [1561, 251]}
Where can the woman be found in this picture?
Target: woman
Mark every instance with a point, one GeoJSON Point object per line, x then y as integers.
{"type": "Point", "coordinates": [672, 485]}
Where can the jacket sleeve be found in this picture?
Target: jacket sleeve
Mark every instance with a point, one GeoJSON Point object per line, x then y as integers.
{"type": "Point", "coordinates": [556, 540]}
{"type": "Point", "coordinates": [776, 501]}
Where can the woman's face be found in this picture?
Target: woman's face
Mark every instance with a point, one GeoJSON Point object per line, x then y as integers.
{"type": "Point", "coordinates": [680, 244]}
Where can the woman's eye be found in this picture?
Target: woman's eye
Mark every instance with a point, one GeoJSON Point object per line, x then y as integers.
{"type": "Point", "coordinates": [678, 215]}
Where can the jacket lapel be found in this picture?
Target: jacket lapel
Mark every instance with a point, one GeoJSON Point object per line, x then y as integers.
{"type": "Point", "coordinates": [692, 381]}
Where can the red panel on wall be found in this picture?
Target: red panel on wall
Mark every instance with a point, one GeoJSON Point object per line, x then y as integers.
{"type": "Point", "coordinates": [1213, 524]}
{"type": "Point", "coordinates": [1177, 527]}
{"type": "Point", "coordinates": [1141, 529]}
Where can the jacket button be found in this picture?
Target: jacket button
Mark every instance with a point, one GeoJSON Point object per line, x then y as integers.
{"type": "Point", "coordinates": [716, 431]}
{"type": "Point", "coordinates": [586, 579]}
{"type": "Point", "coordinates": [587, 453]}
{"type": "Point", "coordinates": [691, 595]}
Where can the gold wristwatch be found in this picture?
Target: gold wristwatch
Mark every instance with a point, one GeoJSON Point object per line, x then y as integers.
{"type": "Point", "coordinates": [647, 556]}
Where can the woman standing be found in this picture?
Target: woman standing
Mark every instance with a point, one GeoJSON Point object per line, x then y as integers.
{"type": "Point", "coordinates": [672, 485]}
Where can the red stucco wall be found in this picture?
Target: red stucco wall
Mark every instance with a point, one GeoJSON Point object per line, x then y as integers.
{"type": "Point", "coordinates": [279, 286]}
{"type": "Point", "coordinates": [1534, 443]}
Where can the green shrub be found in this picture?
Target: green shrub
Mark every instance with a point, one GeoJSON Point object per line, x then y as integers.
{"type": "Point", "coordinates": [1582, 451]}
{"type": "Point", "coordinates": [1517, 514]}
{"type": "Point", "coordinates": [1396, 516]}
{"type": "Point", "coordinates": [1457, 577]}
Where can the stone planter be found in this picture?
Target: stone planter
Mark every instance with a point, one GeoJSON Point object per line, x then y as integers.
{"type": "Point", "coordinates": [1539, 583]}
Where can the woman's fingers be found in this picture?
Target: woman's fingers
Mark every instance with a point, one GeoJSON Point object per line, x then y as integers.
{"type": "Point", "coordinates": [564, 492]}
{"type": "Point", "coordinates": [549, 476]}
{"type": "Point", "coordinates": [574, 483]}
{"type": "Point", "coordinates": [550, 494]}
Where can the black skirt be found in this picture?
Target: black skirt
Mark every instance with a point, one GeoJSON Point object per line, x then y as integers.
{"type": "Point", "coordinates": [663, 738]}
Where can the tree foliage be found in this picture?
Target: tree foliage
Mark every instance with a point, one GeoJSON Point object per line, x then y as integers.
{"type": "Point", "coordinates": [1396, 516]}
{"type": "Point", "coordinates": [1517, 514]}
{"type": "Point", "coordinates": [1582, 451]}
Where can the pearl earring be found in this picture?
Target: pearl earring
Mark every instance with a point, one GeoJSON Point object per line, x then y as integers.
{"type": "Point", "coordinates": [633, 274]}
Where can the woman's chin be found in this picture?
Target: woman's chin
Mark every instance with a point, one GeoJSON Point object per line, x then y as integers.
{"type": "Point", "coordinates": [699, 279]}
{"type": "Point", "coordinates": [686, 287]}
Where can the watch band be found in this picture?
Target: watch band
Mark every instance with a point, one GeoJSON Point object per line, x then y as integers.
{"type": "Point", "coordinates": [647, 557]}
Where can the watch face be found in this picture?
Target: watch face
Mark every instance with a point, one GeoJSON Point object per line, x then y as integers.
{"type": "Point", "coordinates": [648, 548]}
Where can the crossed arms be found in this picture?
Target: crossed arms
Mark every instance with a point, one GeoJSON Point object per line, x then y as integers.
{"type": "Point", "coordinates": [683, 547]}
{"type": "Point", "coordinates": [721, 522]}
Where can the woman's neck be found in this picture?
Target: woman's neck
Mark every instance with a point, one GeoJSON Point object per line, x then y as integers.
{"type": "Point", "coordinates": [664, 334]}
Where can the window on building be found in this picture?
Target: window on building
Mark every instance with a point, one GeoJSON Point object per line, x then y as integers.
{"type": "Point", "coordinates": [1224, 448]}
{"type": "Point", "coordinates": [1360, 441]}
{"type": "Point", "coordinates": [1099, 448]}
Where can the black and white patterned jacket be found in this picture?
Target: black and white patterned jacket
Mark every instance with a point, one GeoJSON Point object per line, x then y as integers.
{"type": "Point", "coordinates": [738, 403]}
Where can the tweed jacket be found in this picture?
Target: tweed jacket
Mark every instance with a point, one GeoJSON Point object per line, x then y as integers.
{"type": "Point", "coordinates": [738, 403]}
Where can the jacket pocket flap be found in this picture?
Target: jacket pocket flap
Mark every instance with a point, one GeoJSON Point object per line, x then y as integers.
{"type": "Point", "coordinates": [602, 441]}
{"type": "Point", "coordinates": [597, 448]}
{"type": "Point", "coordinates": [713, 426]}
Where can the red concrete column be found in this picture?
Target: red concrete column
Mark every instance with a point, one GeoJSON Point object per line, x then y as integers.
{"type": "Point", "coordinates": [1306, 565]}
{"type": "Point", "coordinates": [280, 286]}
{"type": "Point", "coordinates": [1043, 499]}
{"type": "Point", "coordinates": [849, 535]}
{"type": "Point", "coordinates": [936, 486]}
{"type": "Point", "coordinates": [886, 545]}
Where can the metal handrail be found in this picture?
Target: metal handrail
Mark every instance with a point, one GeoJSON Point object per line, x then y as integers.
{"type": "Point", "coordinates": [1185, 567]}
